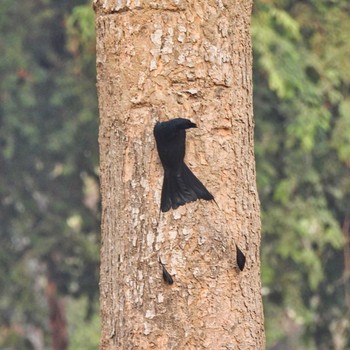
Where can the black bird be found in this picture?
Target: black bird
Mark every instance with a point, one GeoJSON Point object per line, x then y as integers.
{"type": "Point", "coordinates": [180, 186]}
{"type": "Point", "coordinates": [240, 258]}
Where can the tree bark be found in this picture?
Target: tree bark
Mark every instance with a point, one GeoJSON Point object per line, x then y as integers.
{"type": "Point", "coordinates": [158, 60]}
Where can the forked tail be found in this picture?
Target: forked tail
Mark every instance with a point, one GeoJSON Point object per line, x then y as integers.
{"type": "Point", "coordinates": [182, 187]}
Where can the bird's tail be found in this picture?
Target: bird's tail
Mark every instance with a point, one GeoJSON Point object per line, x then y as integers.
{"type": "Point", "coordinates": [181, 188]}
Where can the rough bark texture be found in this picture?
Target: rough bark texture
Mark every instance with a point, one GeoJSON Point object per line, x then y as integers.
{"type": "Point", "coordinates": [158, 60]}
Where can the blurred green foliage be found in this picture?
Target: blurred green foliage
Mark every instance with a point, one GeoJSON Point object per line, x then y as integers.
{"type": "Point", "coordinates": [301, 94]}
{"type": "Point", "coordinates": [49, 207]}
{"type": "Point", "coordinates": [82, 335]}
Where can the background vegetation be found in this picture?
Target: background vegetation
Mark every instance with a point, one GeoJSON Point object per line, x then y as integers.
{"type": "Point", "coordinates": [49, 209]}
{"type": "Point", "coordinates": [49, 204]}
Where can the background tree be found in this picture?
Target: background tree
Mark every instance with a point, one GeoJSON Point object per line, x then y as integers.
{"type": "Point", "coordinates": [157, 61]}
{"type": "Point", "coordinates": [302, 134]}
{"type": "Point", "coordinates": [49, 199]}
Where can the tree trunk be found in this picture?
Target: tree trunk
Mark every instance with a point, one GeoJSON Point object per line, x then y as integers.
{"type": "Point", "coordinates": [158, 60]}
{"type": "Point", "coordinates": [58, 322]}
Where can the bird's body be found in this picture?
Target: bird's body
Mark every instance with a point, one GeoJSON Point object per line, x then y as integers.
{"type": "Point", "coordinates": [180, 186]}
